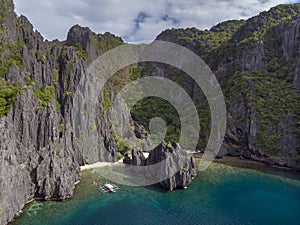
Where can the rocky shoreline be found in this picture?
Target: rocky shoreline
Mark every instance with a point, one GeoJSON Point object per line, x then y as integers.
{"type": "Point", "coordinates": [175, 160]}
{"type": "Point", "coordinates": [227, 160]}
{"type": "Point", "coordinates": [40, 145]}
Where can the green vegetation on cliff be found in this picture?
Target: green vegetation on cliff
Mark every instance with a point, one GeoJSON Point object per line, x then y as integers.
{"type": "Point", "coordinates": [251, 63]}
{"type": "Point", "coordinates": [105, 42]}
{"type": "Point", "coordinates": [125, 76]}
{"type": "Point", "coordinates": [10, 54]}
{"type": "Point", "coordinates": [272, 97]}
{"type": "Point", "coordinates": [45, 95]}
{"type": "Point", "coordinates": [246, 55]}
{"type": "Point", "coordinates": [10, 48]}
{"type": "Point", "coordinates": [152, 107]}
{"type": "Point", "coordinates": [8, 95]}
{"type": "Point", "coordinates": [203, 42]}
{"type": "Point", "coordinates": [106, 102]}
{"type": "Point", "coordinates": [272, 100]}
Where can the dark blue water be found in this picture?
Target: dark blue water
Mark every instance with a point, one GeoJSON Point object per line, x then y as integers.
{"type": "Point", "coordinates": [220, 195]}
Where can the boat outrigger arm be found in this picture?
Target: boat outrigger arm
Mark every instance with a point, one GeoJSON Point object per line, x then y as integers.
{"type": "Point", "coordinates": [107, 187]}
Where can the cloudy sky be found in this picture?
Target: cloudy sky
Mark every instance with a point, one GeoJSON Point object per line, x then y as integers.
{"type": "Point", "coordinates": [135, 20]}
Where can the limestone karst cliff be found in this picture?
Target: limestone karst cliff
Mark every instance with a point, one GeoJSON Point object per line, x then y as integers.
{"type": "Point", "coordinates": [39, 154]}
{"type": "Point", "coordinates": [257, 63]}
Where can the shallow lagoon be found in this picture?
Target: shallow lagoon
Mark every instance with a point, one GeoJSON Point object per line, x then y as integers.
{"type": "Point", "coordinates": [223, 194]}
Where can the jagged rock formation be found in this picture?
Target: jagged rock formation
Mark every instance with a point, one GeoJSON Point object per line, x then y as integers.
{"type": "Point", "coordinates": [137, 158]}
{"type": "Point", "coordinates": [256, 61]}
{"type": "Point", "coordinates": [177, 160]}
{"type": "Point", "coordinates": [40, 157]}
{"type": "Point", "coordinates": [257, 64]}
{"type": "Point", "coordinates": [172, 153]}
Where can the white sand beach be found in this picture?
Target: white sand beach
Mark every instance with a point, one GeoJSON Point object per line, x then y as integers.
{"type": "Point", "coordinates": [103, 164]}
{"type": "Point", "coordinates": [98, 165]}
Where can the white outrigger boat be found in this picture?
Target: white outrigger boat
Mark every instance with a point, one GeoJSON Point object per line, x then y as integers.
{"type": "Point", "coordinates": [107, 187]}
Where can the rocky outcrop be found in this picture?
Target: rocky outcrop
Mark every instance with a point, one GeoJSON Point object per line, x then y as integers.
{"type": "Point", "coordinates": [289, 46]}
{"type": "Point", "coordinates": [137, 158]}
{"type": "Point", "coordinates": [174, 156]}
{"type": "Point", "coordinates": [257, 64]}
{"type": "Point", "coordinates": [256, 61]}
{"type": "Point", "coordinates": [40, 155]}
{"type": "Point", "coordinates": [178, 168]}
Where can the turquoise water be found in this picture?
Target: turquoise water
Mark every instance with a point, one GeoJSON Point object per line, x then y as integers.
{"type": "Point", "coordinates": [221, 195]}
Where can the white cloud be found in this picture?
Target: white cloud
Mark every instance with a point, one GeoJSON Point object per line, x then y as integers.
{"type": "Point", "coordinates": [53, 18]}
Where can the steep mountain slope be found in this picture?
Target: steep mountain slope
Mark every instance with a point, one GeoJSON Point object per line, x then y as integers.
{"type": "Point", "coordinates": [39, 153]}
{"type": "Point", "coordinates": [257, 64]}
{"type": "Point", "coordinates": [256, 61]}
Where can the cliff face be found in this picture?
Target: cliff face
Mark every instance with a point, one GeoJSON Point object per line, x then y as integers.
{"type": "Point", "coordinates": [173, 156]}
{"type": "Point", "coordinates": [257, 64]}
{"type": "Point", "coordinates": [39, 154]}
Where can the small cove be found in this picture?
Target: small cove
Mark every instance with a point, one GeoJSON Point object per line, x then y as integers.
{"type": "Point", "coordinates": [223, 194]}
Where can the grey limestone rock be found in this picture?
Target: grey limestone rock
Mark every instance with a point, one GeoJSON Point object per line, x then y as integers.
{"type": "Point", "coordinates": [178, 166]}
